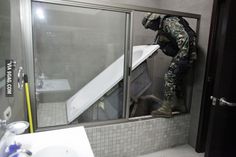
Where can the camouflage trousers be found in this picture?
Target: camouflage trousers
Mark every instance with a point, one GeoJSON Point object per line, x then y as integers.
{"type": "Point", "coordinates": [177, 70]}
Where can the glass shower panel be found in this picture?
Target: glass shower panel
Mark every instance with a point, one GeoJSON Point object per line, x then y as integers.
{"type": "Point", "coordinates": [79, 62]}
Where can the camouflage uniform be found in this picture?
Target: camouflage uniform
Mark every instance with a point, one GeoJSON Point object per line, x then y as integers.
{"type": "Point", "coordinates": [182, 60]}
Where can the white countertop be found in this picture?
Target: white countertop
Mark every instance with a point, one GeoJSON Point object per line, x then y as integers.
{"type": "Point", "coordinates": [71, 138]}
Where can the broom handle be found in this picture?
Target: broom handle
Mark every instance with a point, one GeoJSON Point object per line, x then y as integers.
{"type": "Point", "coordinates": [28, 103]}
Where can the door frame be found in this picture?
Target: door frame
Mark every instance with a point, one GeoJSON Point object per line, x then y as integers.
{"type": "Point", "coordinates": [213, 57]}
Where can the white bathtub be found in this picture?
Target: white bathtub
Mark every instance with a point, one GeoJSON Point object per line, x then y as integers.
{"type": "Point", "coordinates": [103, 82]}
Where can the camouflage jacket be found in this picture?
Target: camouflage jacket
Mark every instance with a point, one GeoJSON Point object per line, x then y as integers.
{"type": "Point", "coordinates": [176, 30]}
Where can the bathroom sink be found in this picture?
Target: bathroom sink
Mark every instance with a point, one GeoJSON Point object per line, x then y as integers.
{"type": "Point", "coordinates": [70, 142]}
{"type": "Point", "coordinates": [58, 151]}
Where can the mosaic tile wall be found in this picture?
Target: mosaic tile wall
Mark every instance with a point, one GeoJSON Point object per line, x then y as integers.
{"type": "Point", "coordinates": [140, 137]}
{"type": "Point", "coordinates": [51, 114]}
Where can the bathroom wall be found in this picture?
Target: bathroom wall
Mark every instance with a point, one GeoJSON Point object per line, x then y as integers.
{"type": "Point", "coordinates": [4, 49]}
{"type": "Point", "coordinates": [4, 45]}
{"type": "Point", "coordinates": [10, 48]}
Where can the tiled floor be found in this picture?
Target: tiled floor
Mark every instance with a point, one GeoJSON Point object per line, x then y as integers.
{"type": "Point", "coordinates": [51, 114]}
{"type": "Point", "coordinates": [180, 151]}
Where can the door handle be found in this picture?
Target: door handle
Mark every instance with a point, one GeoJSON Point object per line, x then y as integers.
{"type": "Point", "coordinates": [222, 102]}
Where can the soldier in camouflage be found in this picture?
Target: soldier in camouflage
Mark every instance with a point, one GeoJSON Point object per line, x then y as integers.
{"type": "Point", "coordinates": [183, 55]}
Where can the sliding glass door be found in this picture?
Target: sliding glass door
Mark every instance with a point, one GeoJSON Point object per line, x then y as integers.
{"type": "Point", "coordinates": [78, 63]}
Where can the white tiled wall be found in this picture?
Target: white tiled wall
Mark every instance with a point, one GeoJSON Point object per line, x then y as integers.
{"type": "Point", "coordinates": [51, 114]}
{"type": "Point", "coordinates": [139, 137]}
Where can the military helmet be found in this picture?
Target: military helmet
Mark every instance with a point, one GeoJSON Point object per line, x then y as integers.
{"type": "Point", "coordinates": [151, 21]}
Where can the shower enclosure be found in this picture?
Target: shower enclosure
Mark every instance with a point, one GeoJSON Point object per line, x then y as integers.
{"type": "Point", "coordinates": [70, 48]}
{"type": "Point", "coordinates": [71, 44]}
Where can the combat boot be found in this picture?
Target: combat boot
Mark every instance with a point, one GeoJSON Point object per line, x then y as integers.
{"type": "Point", "coordinates": [178, 105]}
{"type": "Point", "coordinates": [164, 111]}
